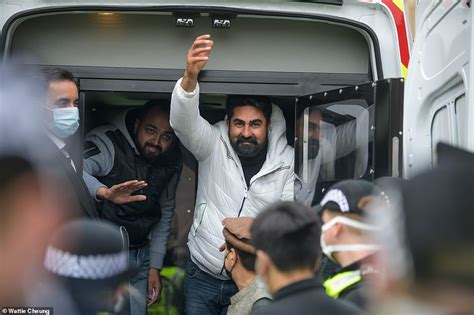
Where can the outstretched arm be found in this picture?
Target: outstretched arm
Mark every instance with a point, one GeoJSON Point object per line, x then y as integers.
{"type": "Point", "coordinates": [98, 161]}
{"type": "Point", "coordinates": [197, 58]}
{"type": "Point", "coordinates": [196, 134]}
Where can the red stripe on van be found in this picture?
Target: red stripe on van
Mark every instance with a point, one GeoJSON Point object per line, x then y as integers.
{"type": "Point", "coordinates": [399, 18]}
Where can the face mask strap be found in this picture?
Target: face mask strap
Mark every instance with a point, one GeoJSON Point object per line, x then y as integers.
{"type": "Point", "coordinates": [349, 222]}
{"type": "Point", "coordinates": [352, 247]}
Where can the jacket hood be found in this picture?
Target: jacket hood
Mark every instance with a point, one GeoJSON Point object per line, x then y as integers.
{"type": "Point", "coordinates": [122, 121]}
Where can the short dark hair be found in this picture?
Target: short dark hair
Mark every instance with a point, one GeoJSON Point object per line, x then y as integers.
{"type": "Point", "coordinates": [162, 104]}
{"type": "Point", "coordinates": [289, 233]}
{"type": "Point", "coordinates": [262, 103]}
{"type": "Point", "coordinates": [57, 74]}
{"type": "Point", "coordinates": [247, 259]}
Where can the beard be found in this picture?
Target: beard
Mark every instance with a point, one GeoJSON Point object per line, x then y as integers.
{"type": "Point", "coordinates": [313, 148]}
{"type": "Point", "coordinates": [150, 152]}
{"type": "Point", "coordinates": [248, 147]}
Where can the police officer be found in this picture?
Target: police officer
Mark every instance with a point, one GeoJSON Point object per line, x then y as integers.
{"type": "Point", "coordinates": [344, 239]}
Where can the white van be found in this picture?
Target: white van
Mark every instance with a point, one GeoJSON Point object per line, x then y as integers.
{"type": "Point", "coordinates": [438, 101]}
{"type": "Point", "coordinates": [341, 61]}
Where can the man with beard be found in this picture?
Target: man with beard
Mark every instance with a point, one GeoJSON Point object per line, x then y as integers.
{"type": "Point", "coordinates": [132, 167]}
{"type": "Point", "coordinates": [245, 164]}
{"type": "Point", "coordinates": [326, 144]}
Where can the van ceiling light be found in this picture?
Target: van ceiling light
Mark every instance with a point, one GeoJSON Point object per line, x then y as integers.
{"type": "Point", "coordinates": [184, 22]}
{"type": "Point", "coordinates": [220, 20]}
{"type": "Point", "coordinates": [106, 13]}
{"type": "Point", "coordinates": [185, 19]}
{"type": "Point", "coordinates": [220, 23]}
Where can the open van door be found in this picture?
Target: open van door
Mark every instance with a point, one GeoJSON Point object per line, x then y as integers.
{"type": "Point", "coordinates": [438, 95]}
{"type": "Point", "coordinates": [352, 132]}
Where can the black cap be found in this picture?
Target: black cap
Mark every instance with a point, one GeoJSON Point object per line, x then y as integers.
{"type": "Point", "coordinates": [438, 208]}
{"type": "Point", "coordinates": [89, 257]}
{"type": "Point", "coordinates": [346, 197]}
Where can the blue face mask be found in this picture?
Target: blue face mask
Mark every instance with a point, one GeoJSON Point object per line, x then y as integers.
{"type": "Point", "coordinates": [65, 122]}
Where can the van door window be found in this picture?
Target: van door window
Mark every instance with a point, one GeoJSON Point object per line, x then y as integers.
{"type": "Point", "coordinates": [347, 133]}
{"type": "Point", "coordinates": [332, 144]}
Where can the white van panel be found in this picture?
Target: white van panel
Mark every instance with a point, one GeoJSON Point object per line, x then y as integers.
{"type": "Point", "coordinates": [437, 87]}
{"type": "Point", "coordinates": [153, 41]}
{"type": "Point", "coordinates": [371, 13]}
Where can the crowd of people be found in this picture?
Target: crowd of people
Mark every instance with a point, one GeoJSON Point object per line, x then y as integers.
{"type": "Point", "coordinates": [90, 236]}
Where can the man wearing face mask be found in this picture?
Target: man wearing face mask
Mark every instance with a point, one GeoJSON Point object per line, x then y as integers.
{"type": "Point", "coordinates": [345, 237]}
{"type": "Point", "coordinates": [132, 166]}
{"type": "Point", "coordinates": [62, 121]}
{"type": "Point", "coordinates": [285, 236]}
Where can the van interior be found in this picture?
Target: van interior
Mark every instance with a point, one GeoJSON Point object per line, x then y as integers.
{"type": "Point", "coordinates": [124, 58]}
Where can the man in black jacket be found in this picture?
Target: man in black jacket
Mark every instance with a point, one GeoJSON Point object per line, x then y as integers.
{"type": "Point", "coordinates": [61, 116]}
{"type": "Point", "coordinates": [285, 236]}
{"type": "Point", "coordinates": [132, 166]}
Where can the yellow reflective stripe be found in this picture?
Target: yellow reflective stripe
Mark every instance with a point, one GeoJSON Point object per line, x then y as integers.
{"type": "Point", "coordinates": [341, 281]}
{"type": "Point", "coordinates": [399, 4]}
{"type": "Point", "coordinates": [404, 71]}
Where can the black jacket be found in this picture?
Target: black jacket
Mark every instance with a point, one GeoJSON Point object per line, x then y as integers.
{"type": "Point", "coordinates": [138, 217]}
{"type": "Point", "coordinates": [305, 297]}
{"type": "Point", "coordinates": [82, 205]}
{"type": "Point", "coordinates": [356, 293]}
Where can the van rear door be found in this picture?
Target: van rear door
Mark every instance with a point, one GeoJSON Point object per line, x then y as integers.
{"type": "Point", "coordinates": [352, 132]}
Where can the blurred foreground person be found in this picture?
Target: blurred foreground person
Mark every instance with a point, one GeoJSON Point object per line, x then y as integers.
{"type": "Point", "coordinates": [28, 212]}
{"type": "Point", "coordinates": [428, 241]}
{"type": "Point", "coordinates": [239, 264]}
{"type": "Point", "coordinates": [31, 205]}
{"type": "Point", "coordinates": [344, 238]}
{"type": "Point", "coordinates": [286, 237]}
{"type": "Point", "coordinates": [89, 260]}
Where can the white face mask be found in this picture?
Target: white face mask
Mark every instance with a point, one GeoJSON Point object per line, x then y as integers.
{"type": "Point", "coordinates": [329, 249]}
{"type": "Point", "coordinates": [65, 121]}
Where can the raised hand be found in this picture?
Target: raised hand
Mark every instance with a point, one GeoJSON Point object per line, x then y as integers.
{"type": "Point", "coordinates": [196, 59]}
{"type": "Point", "coordinates": [121, 193]}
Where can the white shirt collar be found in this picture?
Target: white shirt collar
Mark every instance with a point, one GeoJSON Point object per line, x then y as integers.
{"type": "Point", "coordinates": [57, 141]}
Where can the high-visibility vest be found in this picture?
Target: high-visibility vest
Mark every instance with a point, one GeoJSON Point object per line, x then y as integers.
{"type": "Point", "coordinates": [341, 281]}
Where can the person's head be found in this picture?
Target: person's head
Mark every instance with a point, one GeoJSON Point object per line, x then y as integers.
{"type": "Point", "coordinates": [62, 100]}
{"type": "Point", "coordinates": [427, 236]}
{"type": "Point", "coordinates": [239, 252]}
{"type": "Point", "coordinates": [89, 258]}
{"type": "Point", "coordinates": [248, 118]}
{"type": "Point", "coordinates": [286, 236]}
{"type": "Point", "coordinates": [235, 256]}
{"type": "Point", "coordinates": [344, 212]}
{"type": "Point", "coordinates": [153, 133]}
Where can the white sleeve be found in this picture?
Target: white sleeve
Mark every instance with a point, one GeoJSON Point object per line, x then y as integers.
{"type": "Point", "coordinates": [196, 134]}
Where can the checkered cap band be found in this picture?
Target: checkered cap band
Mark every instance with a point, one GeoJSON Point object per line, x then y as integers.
{"type": "Point", "coordinates": [92, 267]}
{"type": "Point", "coordinates": [338, 197]}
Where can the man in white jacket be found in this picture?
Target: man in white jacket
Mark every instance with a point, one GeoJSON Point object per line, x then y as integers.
{"type": "Point", "coordinates": [245, 164]}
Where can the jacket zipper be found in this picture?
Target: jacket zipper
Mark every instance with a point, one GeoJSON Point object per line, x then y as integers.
{"type": "Point", "coordinates": [243, 201]}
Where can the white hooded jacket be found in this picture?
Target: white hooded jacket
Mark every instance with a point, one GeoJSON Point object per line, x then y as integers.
{"type": "Point", "coordinates": [222, 190]}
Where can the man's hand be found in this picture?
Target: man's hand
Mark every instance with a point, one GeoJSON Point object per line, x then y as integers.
{"type": "Point", "coordinates": [154, 286]}
{"type": "Point", "coordinates": [197, 58]}
{"type": "Point", "coordinates": [121, 193]}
